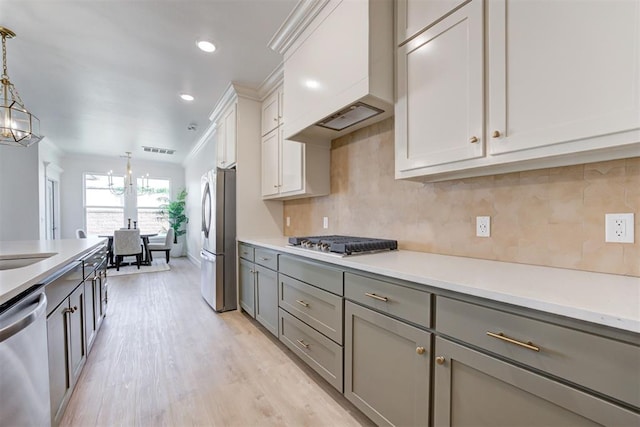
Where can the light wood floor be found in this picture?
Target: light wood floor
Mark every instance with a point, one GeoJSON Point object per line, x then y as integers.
{"type": "Point", "coordinates": [163, 357]}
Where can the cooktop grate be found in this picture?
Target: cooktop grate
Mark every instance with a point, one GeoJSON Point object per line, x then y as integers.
{"type": "Point", "coordinates": [347, 245]}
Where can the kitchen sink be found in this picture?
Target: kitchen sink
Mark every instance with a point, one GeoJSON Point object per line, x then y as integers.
{"type": "Point", "coordinates": [18, 262]}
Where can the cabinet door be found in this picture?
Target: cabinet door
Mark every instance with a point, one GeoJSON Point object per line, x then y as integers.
{"type": "Point", "coordinates": [220, 144]}
{"type": "Point", "coordinates": [270, 164]}
{"type": "Point", "coordinates": [412, 16]}
{"type": "Point", "coordinates": [92, 309]}
{"type": "Point", "coordinates": [472, 388]}
{"type": "Point", "coordinates": [246, 274]}
{"type": "Point", "coordinates": [59, 379]}
{"type": "Point", "coordinates": [291, 164]}
{"type": "Point", "coordinates": [77, 349]}
{"type": "Point", "coordinates": [230, 128]}
{"type": "Point", "coordinates": [386, 367]}
{"type": "Point", "coordinates": [270, 112]}
{"type": "Point", "coordinates": [562, 71]}
{"type": "Point", "coordinates": [439, 111]}
{"type": "Point", "coordinates": [267, 298]}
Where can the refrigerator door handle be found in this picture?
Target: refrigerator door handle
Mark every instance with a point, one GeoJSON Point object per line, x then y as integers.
{"type": "Point", "coordinates": [207, 256]}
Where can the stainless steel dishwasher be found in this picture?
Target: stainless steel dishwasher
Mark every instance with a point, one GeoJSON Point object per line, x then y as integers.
{"type": "Point", "coordinates": [24, 376]}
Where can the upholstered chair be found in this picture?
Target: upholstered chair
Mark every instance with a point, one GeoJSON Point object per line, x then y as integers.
{"type": "Point", "coordinates": [80, 234]}
{"type": "Point", "coordinates": [127, 243]}
{"type": "Point", "coordinates": [162, 247]}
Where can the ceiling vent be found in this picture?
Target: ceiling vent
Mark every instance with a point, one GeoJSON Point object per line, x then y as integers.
{"type": "Point", "coordinates": [158, 150]}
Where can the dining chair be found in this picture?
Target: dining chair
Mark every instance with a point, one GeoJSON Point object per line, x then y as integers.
{"type": "Point", "coordinates": [127, 243]}
{"type": "Point", "coordinates": [162, 247]}
{"type": "Point", "coordinates": [80, 234]}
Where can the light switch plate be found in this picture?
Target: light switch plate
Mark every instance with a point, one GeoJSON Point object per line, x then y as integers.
{"type": "Point", "coordinates": [619, 228]}
{"type": "Point", "coordinates": [325, 222]}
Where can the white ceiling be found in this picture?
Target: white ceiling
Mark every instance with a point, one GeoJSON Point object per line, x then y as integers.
{"type": "Point", "coordinates": [104, 77]}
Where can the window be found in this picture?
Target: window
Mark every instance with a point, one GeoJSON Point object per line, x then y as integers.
{"type": "Point", "coordinates": [104, 211]}
{"type": "Point", "coordinates": [152, 195]}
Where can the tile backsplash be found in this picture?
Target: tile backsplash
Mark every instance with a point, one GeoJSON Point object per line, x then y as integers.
{"type": "Point", "coordinates": [552, 217]}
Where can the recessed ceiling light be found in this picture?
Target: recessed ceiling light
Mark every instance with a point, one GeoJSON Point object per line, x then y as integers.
{"type": "Point", "coordinates": [205, 46]}
{"type": "Point", "coordinates": [186, 97]}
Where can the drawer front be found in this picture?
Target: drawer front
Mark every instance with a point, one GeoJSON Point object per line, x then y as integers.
{"type": "Point", "coordinates": [59, 289]}
{"type": "Point", "coordinates": [601, 364]}
{"type": "Point", "coordinates": [317, 308]}
{"type": "Point", "coordinates": [93, 260]}
{"type": "Point", "coordinates": [266, 258]}
{"type": "Point", "coordinates": [246, 252]}
{"type": "Point", "coordinates": [405, 303]}
{"type": "Point", "coordinates": [327, 278]}
{"type": "Point", "coordinates": [319, 352]}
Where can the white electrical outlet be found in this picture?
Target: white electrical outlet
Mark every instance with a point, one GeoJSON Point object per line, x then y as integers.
{"type": "Point", "coordinates": [619, 228]}
{"type": "Point", "coordinates": [288, 221]}
{"type": "Point", "coordinates": [483, 226]}
{"type": "Point", "coordinates": [325, 222]}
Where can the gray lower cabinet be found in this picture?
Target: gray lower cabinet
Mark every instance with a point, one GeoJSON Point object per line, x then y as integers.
{"type": "Point", "coordinates": [473, 388]}
{"type": "Point", "coordinates": [67, 350]}
{"type": "Point", "coordinates": [386, 367]}
{"type": "Point", "coordinates": [266, 285]}
{"type": "Point", "coordinates": [246, 282]}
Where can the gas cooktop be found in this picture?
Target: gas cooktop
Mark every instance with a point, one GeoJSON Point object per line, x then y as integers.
{"type": "Point", "coordinates": [343, 245]}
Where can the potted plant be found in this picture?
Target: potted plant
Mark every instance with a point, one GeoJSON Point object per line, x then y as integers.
{"type": "Point", "coordinates": [174, 211]}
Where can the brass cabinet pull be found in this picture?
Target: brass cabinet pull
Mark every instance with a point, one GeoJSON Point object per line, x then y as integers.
{"type": "Point", "coordinates": [302, 343]}
{"type": "Point", "coordinates": [496, 134]}
{"type": "Point", "coordinates": [70, 310]}
{"type": "Point", "coordinates": [420, 350]}
{"type": "Point", "coordinates": [302, 303]}
{"type": "Point", "coordinates": [263, 259]}
{"type": "Point", "coordinates": [473, 139]}
{"type": "Point", "coordinates": [440, 360]}
{"type": "Point", "coordinates": [378, 297]}
{"type": "Point", "coordinates": [501, 336]}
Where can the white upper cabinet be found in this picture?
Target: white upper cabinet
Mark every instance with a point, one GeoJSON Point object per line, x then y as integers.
{"type": "Point", "coordinates": [271, 112]}
{"type": "Point", "coordinates": [562, 71]}
{"type": "Point", "coordinates": [290, 169]}
{"type": "Point", "coordinates": [562, 87]}
{"type": "Point", "coordinates": [226, 130]}
{"type": "Point", "coordinates": [440, 93]}
{"type": "Point", "coordinates": [342, 55]}
{"type": "Point", "coordinates": [412, 16]}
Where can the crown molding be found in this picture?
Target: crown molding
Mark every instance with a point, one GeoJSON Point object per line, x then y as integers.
{"type": "Point", "coordinates": [272, 81]}
{"type": "Point", "coordinates": [200, 143]}
{"type": "Point", "coordinates": [298, 20]}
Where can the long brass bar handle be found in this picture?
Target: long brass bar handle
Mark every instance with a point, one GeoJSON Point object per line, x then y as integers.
{"type": "Point", "coordinates": [378, 297]}
{"type": "Point", "coordinates": [529, 345]}
{"type": "Point", "coordinates": [302, 343]}
{"type": "Point", "coordinates": [302, 303]}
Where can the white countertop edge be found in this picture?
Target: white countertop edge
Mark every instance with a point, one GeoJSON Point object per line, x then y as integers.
{"type": "Point", "coordinates": [577, 298]}
{"type": "Point", "coordinates": [17, 280]}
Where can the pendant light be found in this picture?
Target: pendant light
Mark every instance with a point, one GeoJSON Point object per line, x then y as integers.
{"type": "Point", "coordinates": [128, 181]}
{"type": "Point", "coordinates": [18, 127]}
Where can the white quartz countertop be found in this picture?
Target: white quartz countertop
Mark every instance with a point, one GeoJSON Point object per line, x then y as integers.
{"type": "Point", "coordinates": [605, 299]}
{"type": "Point", "coordinates": [16, 280]}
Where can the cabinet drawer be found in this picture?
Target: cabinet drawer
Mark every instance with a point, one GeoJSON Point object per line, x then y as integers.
{"type": "Point", "coordinates": [315, 274]}
{"type": "Point", "coordinates": [93, 260]}
{"type": "Point", "coordinates": [319, 352]}
{"type": "Point", "coordinates": [266, 258]}
{"type": "Point", "coordinates": [245, 252]}
{"type": "Point", "coordinates": [602, 364]}
{"type": "Point", "coordinates": [317, 308]}
{"type": "Point", "coordinates": [406, 303]}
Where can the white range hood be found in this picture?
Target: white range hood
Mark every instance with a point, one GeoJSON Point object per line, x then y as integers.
{"type": "Point", "coordinates": [338, 67]}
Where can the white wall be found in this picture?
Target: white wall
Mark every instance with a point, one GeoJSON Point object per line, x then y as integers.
{"type": "Point", "coordinates": [19, 193]}
{"type": "Point", "coordinates": [71, 189]}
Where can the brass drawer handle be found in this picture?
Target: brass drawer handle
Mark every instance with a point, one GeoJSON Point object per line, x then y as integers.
{"type": "Point", "coordinates": [70, 310]}
{"type": "Point", "coordinates": [420, 350]}
{"type": "Point", "coordinates": [501, 336]}
{"type": "Point", "coordinates": [302, 343]}
{"type": "Point", "coordinates": [305, 304]}
{"type": "Point", "coordinates": [473, 139]}
{"type": "Point", "coordinates": [496, 134]}
{"type": "Point", "coordinates": [440, 360]}
{"type": "Point", "coordinates": [263, 258]}
{"type": "Point", "coordinates": [378, 297]}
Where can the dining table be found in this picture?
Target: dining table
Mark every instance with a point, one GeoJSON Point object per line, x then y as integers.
{"type": "Point", "coordinates": [146, 255]}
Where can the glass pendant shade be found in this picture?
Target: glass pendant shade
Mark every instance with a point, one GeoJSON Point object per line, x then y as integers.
{"type": "Point", "coordinates": [18, 127]}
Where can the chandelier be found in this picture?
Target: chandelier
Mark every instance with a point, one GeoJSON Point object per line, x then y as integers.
{"type": "Point", "coordinates": [127, 188]}
{"type": "Point", "coordinates": [18, 127]}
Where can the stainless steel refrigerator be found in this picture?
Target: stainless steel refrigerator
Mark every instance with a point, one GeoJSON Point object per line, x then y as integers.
{"type": "Point", "coordinates": [218, 263]}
